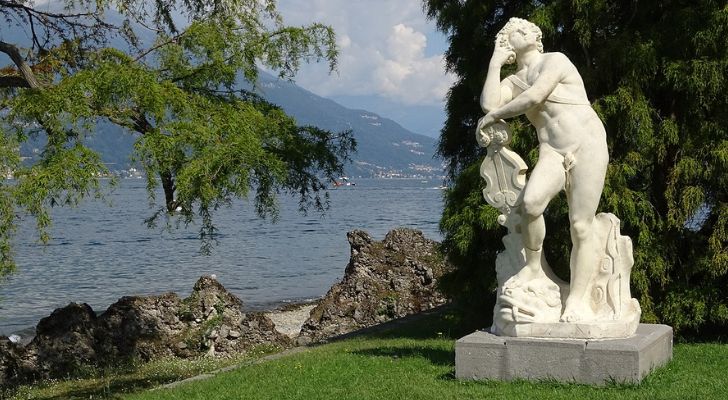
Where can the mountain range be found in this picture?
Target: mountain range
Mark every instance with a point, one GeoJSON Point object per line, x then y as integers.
{"type": "Point", "coordinates": [384, 148]}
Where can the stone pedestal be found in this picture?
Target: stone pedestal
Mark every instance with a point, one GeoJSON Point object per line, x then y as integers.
{"type": "Point", "coordinates": [482, 355]}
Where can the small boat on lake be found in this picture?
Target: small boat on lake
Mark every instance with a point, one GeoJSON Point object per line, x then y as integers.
{"type": "Point", "coordinates": [342, 181]}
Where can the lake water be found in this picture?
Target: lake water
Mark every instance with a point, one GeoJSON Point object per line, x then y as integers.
{"type": "Point", "coordinates": [100, 253]}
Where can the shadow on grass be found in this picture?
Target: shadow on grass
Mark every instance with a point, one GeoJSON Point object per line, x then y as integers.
{"type": "Point", "coordinates": [441, 322]}
{"type": "Point", "coordinates": [434, 355]}
{"type": "Point", "coordinates": [111, 388]}
{"type": "Point", "coordinates": [450, 376]}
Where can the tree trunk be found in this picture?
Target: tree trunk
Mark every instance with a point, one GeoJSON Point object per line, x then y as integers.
{"type": "Point", "coordinates": [168, 186]}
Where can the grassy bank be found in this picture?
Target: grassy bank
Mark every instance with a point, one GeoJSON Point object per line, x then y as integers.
{"type": "Point", "coordinates": [416, 361]}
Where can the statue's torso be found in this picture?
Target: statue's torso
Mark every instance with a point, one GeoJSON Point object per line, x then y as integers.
{"type": "Point", "coordinates": [565, 121]}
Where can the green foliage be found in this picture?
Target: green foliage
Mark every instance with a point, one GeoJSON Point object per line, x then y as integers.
{"type": "Point", "coordinates": [657, 73]}
{"type": "Point", "coordinates": [203, 140]}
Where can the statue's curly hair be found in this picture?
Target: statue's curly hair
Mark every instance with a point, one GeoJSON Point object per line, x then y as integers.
{"type": "Point", "coordinates": [501, 38]}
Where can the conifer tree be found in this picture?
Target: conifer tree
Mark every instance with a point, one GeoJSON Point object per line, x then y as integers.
{"type": "Point", "coordinates": [657, 74]}
{"type": "Point", "coordinates": [176, 85]}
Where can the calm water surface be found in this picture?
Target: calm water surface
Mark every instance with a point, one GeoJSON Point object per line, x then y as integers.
{"type": "Point", "coordinates": [100, 253]}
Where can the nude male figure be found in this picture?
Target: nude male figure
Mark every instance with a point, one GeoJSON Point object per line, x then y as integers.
{"type": "Point", "coordinates": [548, 89]}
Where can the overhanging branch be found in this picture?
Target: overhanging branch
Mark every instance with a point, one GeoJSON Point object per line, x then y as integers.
{"type": "Point", "coordinates": [47, 14]}
{"type": "Point", "coordinates": [27, 73]}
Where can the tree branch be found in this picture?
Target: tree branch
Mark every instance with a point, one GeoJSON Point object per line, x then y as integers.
{"type": "Point", "coordinates": [159, 45]}
{"type": "Point", "coordinates": [23, 66]}
{"type": "Point", "coordinates": [141, 123]}
{"type": "Point", "coordinates": [58, 25]}
{"type": "Point", "coordinates": [32, 29]}
{"type": "Point", "coordinates": [19, 6]}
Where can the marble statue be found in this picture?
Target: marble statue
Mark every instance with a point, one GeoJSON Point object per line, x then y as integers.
{"type": "Point", "coordinates": [532, 300]}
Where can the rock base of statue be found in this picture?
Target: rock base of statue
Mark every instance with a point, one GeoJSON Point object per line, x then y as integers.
{"type": "Point", "coordinates": [574, 330]}
{"type": "Point", "coordinates": [535, 308]}
{"type": "Point", "coordinates": [482, 355]}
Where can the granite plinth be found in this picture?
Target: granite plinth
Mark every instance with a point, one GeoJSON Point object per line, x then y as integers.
{"type": "Point", "coordinates": [482, 355]}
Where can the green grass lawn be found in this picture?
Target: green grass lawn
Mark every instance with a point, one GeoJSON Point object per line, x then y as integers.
{"type": "Point", "coordinates": [417, 362]}
{"type": "Point", "coordinates": [411, 361]}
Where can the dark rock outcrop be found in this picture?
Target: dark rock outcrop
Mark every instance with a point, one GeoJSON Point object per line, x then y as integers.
{"type": "Point", "coordinates": [383, 281]}
{"type": "Point", "coordinates": [139, 327]}
{"type": "Point", "coordinates": [64, 341]}
{"type": "Point", "coordinates": [210, 321]}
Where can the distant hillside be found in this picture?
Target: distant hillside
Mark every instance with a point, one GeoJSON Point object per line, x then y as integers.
{"type": "Point", "coordinates": [113, 143]}
{"type": "Point", "coordinates": [384, 147]}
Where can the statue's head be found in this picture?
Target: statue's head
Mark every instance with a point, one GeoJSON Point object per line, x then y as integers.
{"type": "Point", "coordinates": [514, 24]}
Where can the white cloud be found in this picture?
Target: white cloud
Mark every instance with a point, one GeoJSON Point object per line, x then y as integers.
{"type": "Point", "coordinates": [343, 41]}
{"type": "Point", "coordinates": [406, 44]}
{"type": "Point", "coordinates": [383, 50]}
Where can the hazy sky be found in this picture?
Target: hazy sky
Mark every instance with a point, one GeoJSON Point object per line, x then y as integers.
{"type": "Point", "coordinates": [391, 58]}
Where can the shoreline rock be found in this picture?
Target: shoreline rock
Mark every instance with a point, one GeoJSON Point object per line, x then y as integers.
{"type": "Point", "coordinates": [210, 321]}
{"type": "Point", "coordinates": [383, 281]}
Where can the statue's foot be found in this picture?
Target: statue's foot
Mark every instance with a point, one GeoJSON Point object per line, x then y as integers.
{"type": "Point", "coordinates": [525, 275]}
{"type": "Point", "coordinates": [574, 313]}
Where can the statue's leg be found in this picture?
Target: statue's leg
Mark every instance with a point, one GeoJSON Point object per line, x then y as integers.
{"type": "Point", "coordinates": [585, 188]}
{"type": "Point", "coordinates": [546, 180]}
